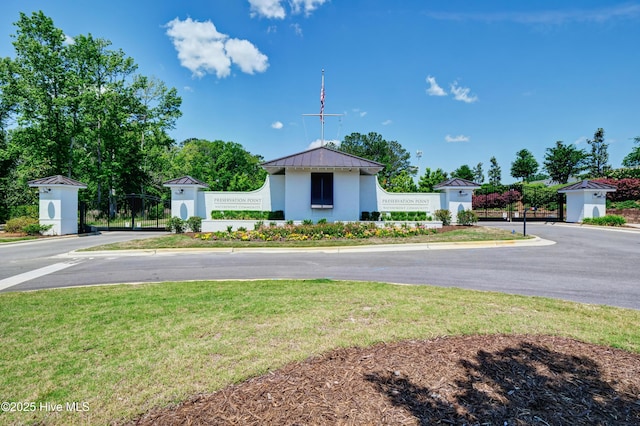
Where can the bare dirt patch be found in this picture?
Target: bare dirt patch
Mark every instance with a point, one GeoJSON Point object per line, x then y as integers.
{"type": "Point", "coordinates": [471, 380]}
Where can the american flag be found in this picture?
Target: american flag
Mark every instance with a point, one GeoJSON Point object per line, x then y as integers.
{"type": "Point", "coordinates": [322, 100]}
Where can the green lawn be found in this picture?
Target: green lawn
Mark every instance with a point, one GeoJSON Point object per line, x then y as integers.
{"type": "Point", "coordinates": [15, 239]}
{"type": "Point", "coordinates": [125, 349]}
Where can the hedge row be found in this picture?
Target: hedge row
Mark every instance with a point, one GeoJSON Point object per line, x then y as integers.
{"type": "Point", "coordinates": [247, 215]}
{"type": "Point", "coordinates": [608, 220]}
{"type": "Point", "coordinates": [627, 189]}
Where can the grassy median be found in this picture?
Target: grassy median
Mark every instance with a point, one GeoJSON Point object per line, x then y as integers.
{"type": "Point", "coordinates": [122, 350]}
{"type": "Point", "coordinates": [452, 234]}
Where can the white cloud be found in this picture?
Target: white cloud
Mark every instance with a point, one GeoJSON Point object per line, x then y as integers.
{"type": "Point", "coordinates": [271, 9]}
{"type": "Point", "coordinates": [386, 122]}
{"type": "Point", "coordinates": [462, 93]}
{"type": "Point", "coordinates": [246, 56]}
{"type": "Point", "coordinates": [277, 125]}
{"type": "Point", "coordinates": [459, 138]}
{"type": "Point", "coordinates": [363, 113]}
{"type": "Point", "coordinates": [305, 6]}
{"type": "Point", "coordinates": [274, 9]}
{"type": "Point", "coordinates": [434, 89]}
{"type": "Point", "coordinates": [188, 89]}
{"type": "Point", "coordinates": [318, 143]}
{"type": "Point", "coordinates": [546, 17]}
{"type": "Point", "coordinates": [68, 40]}
{"type": "Point", "coordinates": [581, 139]}
{"type": "Point", "coordinates": [297, 29]}
{"type": "Point", "coordinates": [203, 50]}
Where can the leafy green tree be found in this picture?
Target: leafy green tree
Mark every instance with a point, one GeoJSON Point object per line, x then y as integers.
{"type": "Point", "coordinates": [81, 110]}
{"type": "Point", "coordinates": [42, 93]}
{"type": "Point", "coordinates": [403, 182]}
{"type": "Point", "coordinates": [224, 166]}
{"type": "Point", "coordinates": [495, 173]}
{"type": "Point", "coordinates": [430, 179]}
{"type": "Point", "coordinates": [478, 173]}
{"type": "Point", "coordinates": [598, 160]}
{"type": "Point", "coordinates": [7, 159]}
{"type": "Point", "coordinates": [463, 172]}
{"type": "Point", "coordinates": [564, 161]}
{"type": "Point", "coordinates": [633, 158]}
{"type": "Point", "coordinates": [524, 166]}
{"type": "Point", "coordinates": [107, 108]}
{"type": "Point", "coordinates": [158, 112]}
{"type": "Point", "coordinates": [373, 147]}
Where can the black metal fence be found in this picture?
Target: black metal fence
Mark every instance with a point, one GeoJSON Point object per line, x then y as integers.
{"type": "Point", "coordinates": [131, 212]}
{"type": "Point", "coordinates": [508, 202]}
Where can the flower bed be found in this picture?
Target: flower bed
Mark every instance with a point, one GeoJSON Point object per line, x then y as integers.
{"type": "Point", "coordinates": [324, 231]}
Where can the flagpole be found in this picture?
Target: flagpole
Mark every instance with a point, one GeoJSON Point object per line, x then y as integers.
{"type": "Point", "coordinates": [322, 114]}
{"type": "Point", "coordinates": [322, 111]}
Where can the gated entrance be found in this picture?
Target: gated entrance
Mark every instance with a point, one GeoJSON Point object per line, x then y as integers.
{"type": "Point", "coordinates": [508, 202]}
{"type": "Point", "coordinates": [131, 212]}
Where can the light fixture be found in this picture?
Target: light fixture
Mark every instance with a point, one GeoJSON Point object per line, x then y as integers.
{"type": "Point", "coordinates": [598, 195]}
{"type": "Point", "coordinates": [179, 191]}
{"type": "Point", "coordinates": [45, 190]}
{"type": "Point", "coordinates": [461, 192]}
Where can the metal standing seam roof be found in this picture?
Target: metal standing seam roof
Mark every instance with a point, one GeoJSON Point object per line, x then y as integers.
{"type": "Point", "coordinates": [56, 180]}
{"type": "Point", "coordinates": [322, 157]}
{"type": "Point", "coordinates": [185, 180]}
{"type": "Point", "coordinates": [588, 184]}
{"type": "Point", "coordinates": [456, 183]}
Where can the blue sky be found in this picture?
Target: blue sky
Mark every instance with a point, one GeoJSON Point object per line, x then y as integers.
{"type": "Point", "coordinates": [460, 81]}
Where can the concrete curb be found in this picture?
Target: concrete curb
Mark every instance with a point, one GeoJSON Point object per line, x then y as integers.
{"type": "Point", "coordinates": [533, 242]}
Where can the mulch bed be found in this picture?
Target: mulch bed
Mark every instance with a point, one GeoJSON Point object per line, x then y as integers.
{"type": "Point", "coordinates": [471, 380]}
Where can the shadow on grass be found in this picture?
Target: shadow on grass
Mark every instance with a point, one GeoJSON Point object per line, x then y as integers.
{"type": "Point", "coordinates": [522, 385]}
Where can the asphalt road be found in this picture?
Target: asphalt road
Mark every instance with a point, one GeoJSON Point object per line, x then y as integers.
{"type": "Point", "coordinates": [589, 265]}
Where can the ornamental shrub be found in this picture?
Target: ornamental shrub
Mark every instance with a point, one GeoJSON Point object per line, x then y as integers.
{"type": "Point", "coordinates": [326, 231]}
{"type": "Point", "coordinates": [375, 216]}
{"type": "Point", "coordinates": [18, 224]}
{"type": "Point", "coordinates": [194, 223]}
{"type": "Point", "coordinates": [627, 189]}
{"type": "Point", "coordinates": [24, 210]}
{"type": "Point", "coordinates": [175, 224]}
{"type": "Point", "coordinates": [276, 215]}
{"type": "Point", "coordinates": [443, 216]}
{"type": "Point", "coordinates": [365, 216]}
{"type": "Point", "coordinates": [35, 229]}
{"type": "Point", "coordinates": [467, 217]}
{"type": "Point", "coordinates": [608, 220]}
{"type": "Point", "coordinates": [495, 200]}
{"type": "Point", "coordinates": [157, 212]}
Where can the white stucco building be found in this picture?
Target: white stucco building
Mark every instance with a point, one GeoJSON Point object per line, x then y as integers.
{"type": "Point", "coordinates": [58, 203]}
{"type": "Point", "coordinates": [319, 183]}
{"type": "Point", "coordinates": [586, 199]}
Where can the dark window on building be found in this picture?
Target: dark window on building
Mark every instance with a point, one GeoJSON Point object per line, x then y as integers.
{"type": "Point", "coordinates": [321, 190]}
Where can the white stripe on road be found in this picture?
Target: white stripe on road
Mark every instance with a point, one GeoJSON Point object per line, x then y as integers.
{"type": "Point", "coordinates": [20, 278]}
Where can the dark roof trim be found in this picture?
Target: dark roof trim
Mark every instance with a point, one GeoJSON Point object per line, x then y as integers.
{"type": "Point", "coordinates": [322, 158]}
{"type": "Point", "coordinates": [185, 181]}
{"type": "Point", "coordinates": [456, 183]}
{"type": "Point", "coordinates": [588, 185]}
{"type": "Point", "coordinates": [56, 180]}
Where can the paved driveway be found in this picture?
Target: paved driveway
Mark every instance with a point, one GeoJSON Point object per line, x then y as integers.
{"type": "Point", "coordinates": [585, 265]}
